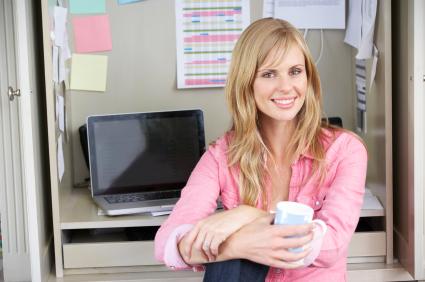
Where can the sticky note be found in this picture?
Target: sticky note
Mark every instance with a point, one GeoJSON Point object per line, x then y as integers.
{"type": "Point", "coordinates": [92, 34]}
{"type": "Point", "coordinates": [87, 6]}
{"type": "Point", "coordinates": [88, 72]}
{"type": "Point", "coordinates": [122, 2]}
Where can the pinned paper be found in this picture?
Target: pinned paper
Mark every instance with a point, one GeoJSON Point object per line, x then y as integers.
{"type": "Point", "coordinates": [368, 27]}
{"type": "Point", "coordinates": [206, 32]}
{"type": "Point", "coordinates": [92, 34]}
{"type": "Point", "coordinates": [268, 8]}
{"type": "Point", "coordinates": [60, 112]}
{"type": "Point", "coordinates": [60, 51]}
{"type": "Point", "coordinates": [353, 33]}
{"type": "Point", "coordinates": [63, 70]}
{"type": "Point", "coordinates": [312, 14]}
{"type": "Point", "coordinates": [361, 26]}
{"type": "Point", "coordinates": [64, 55]}
{"type": "Point", "coordinates": [55, 61]}
{"type": "Point", "coordinates": [87, 6]}
{"type": "Point", "coordinates": [88, 72]}
{"type": "Point", "coordinates": [60, 25]}
{"type": "Point", "coordinates": [121, 2]}
{"type": "Point", "coordinates": [60, 160]}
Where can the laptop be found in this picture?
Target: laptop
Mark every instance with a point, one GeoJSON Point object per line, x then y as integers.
{"type": "Point", "coordinates": [139, 162]}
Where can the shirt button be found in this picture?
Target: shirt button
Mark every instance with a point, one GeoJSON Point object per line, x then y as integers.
{"type": "Point", "coordinates": [277, 271]}
{"type": "Point", "coordinates": [317, 203]}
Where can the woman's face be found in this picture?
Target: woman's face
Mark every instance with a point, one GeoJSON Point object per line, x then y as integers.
{"type": "Point", "coordinates": [280, 87]}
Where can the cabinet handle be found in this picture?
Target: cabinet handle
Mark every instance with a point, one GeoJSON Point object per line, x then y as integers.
{"type": "Point", "coordinates": [12, 93]}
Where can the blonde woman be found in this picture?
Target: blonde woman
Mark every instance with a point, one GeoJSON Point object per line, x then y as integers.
{"type": "Point", "coordinates": [278, 149]}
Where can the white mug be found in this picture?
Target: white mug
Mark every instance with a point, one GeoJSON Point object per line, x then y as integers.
{"type": "Point", "coordinates": [293, 213]}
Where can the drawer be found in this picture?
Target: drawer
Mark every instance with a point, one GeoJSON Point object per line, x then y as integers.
{"type": "Point", "coordinates": [138, 253]}
{"type": "Point", "coordinates": [367, 244]}
{"type": "Point", "coordinates": [108, 254]}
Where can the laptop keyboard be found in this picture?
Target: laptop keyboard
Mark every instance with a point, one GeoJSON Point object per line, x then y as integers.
{"type": "Point", "coordinates": [137, 197]}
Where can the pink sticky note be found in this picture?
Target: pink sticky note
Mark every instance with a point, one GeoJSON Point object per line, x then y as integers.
{"type": "Point", "coordinates": [92, 33]}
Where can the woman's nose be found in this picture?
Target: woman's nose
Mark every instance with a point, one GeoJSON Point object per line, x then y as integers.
{"type": "Point", "coordinates": [285, 84]}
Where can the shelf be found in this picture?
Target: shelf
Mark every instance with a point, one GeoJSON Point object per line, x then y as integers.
{"type": "Point", "coordinates": [371, 205]}
{"type": "Point", "coordinates": [78, 211]}
{"type": "Point", "coordinates": [372, 213]}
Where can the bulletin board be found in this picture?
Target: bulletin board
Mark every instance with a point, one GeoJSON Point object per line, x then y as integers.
{"type": "Point", "coordinates": [141, 74]}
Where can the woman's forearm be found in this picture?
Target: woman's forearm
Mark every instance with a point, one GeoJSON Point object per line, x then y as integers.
{"type": "Point", "coordinates": [227, 252]}
{"type": "Point", "coordinates": [241, 216]}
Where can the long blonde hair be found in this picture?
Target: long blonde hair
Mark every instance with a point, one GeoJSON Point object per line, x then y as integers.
{"type": "Point", "coordinates": [247, 150]}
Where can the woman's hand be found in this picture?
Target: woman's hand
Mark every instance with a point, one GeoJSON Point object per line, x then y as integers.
{"type": "Point", "coordinates": [209, 233]}
{"type": "Point", "coordinates": [268, 244]}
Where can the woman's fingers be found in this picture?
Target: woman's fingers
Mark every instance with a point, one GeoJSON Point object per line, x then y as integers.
{"type": "Point", "coordinates": [199, 241]}
{"type": "Point", "coordinates": [190, 240]}
{"type": "Point", "coordinates": [206, 245]}
{"type": "Point", "coordinates": [293, 230]}
{"type": "Point", "coordinates": [288, 259]}
{"type": "Point", "coordinates": [293, 256]}
{"type": "Point", "coordinates": [296, 242]}
{"type": "Point", "coordinates": [215, 244]}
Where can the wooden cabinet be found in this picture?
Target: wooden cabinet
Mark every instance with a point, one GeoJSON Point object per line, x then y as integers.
{"type": "Point", "coordinates": [142, 78]}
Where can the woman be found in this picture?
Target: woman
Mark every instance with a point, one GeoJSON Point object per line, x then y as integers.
{"type": "Point", "coordinates": [278, 149]}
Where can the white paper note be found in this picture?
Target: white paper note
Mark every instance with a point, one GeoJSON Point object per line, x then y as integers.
{"type": "Point", "coordinates": [268, 8]}
{"type": "Point", "coordinates": [353, 32]}
{"type": "Point", "coordinates": [312, 14]}
{"type": "Point", "coordinates": [63, 70]}
{"type": "Point", "coordinates": [61, 112]}
{"type": "Point", "coordinates": [65, 49]}
{"type": "Point", "coordinates": [61, 161]}
{"type": "Point", "coordinates": [60, 25]}
{"type": "Point", "coordinates": [55, 63]}
{"type": "Point", "coordinates": [368, 27]}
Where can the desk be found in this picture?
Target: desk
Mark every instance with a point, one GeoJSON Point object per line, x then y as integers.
{"type": "Point", "coordinates": [84, 250]}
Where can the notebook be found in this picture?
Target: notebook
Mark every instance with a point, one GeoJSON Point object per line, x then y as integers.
{"type": "Point", "coordinates": [139, 162]}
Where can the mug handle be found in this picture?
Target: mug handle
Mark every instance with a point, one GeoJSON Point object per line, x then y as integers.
{"type": "Point", "coordinates": [322, 225]}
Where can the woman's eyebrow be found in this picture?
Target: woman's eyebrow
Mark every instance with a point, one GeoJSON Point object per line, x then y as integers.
{"type": "Point", "coordinates": [266, 69]}
{"type": "Point", "coordinates": [298, 65]}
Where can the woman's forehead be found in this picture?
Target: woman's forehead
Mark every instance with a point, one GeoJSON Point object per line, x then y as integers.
{"type": "Point", "coordinates": [290, 55]}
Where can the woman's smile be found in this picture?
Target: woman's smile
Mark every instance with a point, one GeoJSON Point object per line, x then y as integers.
{"type": "Point", "coordinates": [284, 103]}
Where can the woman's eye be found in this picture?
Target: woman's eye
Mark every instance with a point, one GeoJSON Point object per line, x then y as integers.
{"type": "Point", "coordinates": [268, 74]}
{"type": "Point", "coordinates": [295, 71]}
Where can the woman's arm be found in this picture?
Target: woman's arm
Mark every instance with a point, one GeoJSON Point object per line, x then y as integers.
{"type": "Point", "coordinates": [198, 200]}
{"type": "Point", "coordinates": [208, 234]}
{"type": "Point", "coordinates": [195, 211]}
{"type": "Point", "coordinates": [261, 242]}
{"type": "Point", "coordinates": [341, 207]}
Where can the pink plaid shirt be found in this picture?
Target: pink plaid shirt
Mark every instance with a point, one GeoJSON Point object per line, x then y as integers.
{"type": "Point", "coordinates": [337, 202]}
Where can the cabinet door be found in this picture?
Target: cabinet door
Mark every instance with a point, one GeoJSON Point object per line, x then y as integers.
{"type": "Point", "coordinates": [12, 198]}
{"type": "Point", "coordinates": [409, 109]}
{"type": "Point", "coordinates": [25, 207]}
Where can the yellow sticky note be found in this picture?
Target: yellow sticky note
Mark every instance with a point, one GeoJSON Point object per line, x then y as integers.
{"type": "Point", "coordinates": [88, 72]}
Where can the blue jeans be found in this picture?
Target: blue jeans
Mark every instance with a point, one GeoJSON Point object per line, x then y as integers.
{"type": "Point", "coordinates": [235, 270]}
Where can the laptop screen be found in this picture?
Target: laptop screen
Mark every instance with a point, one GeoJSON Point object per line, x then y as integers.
{"type": "Point", "coordinates": [141, 152]}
